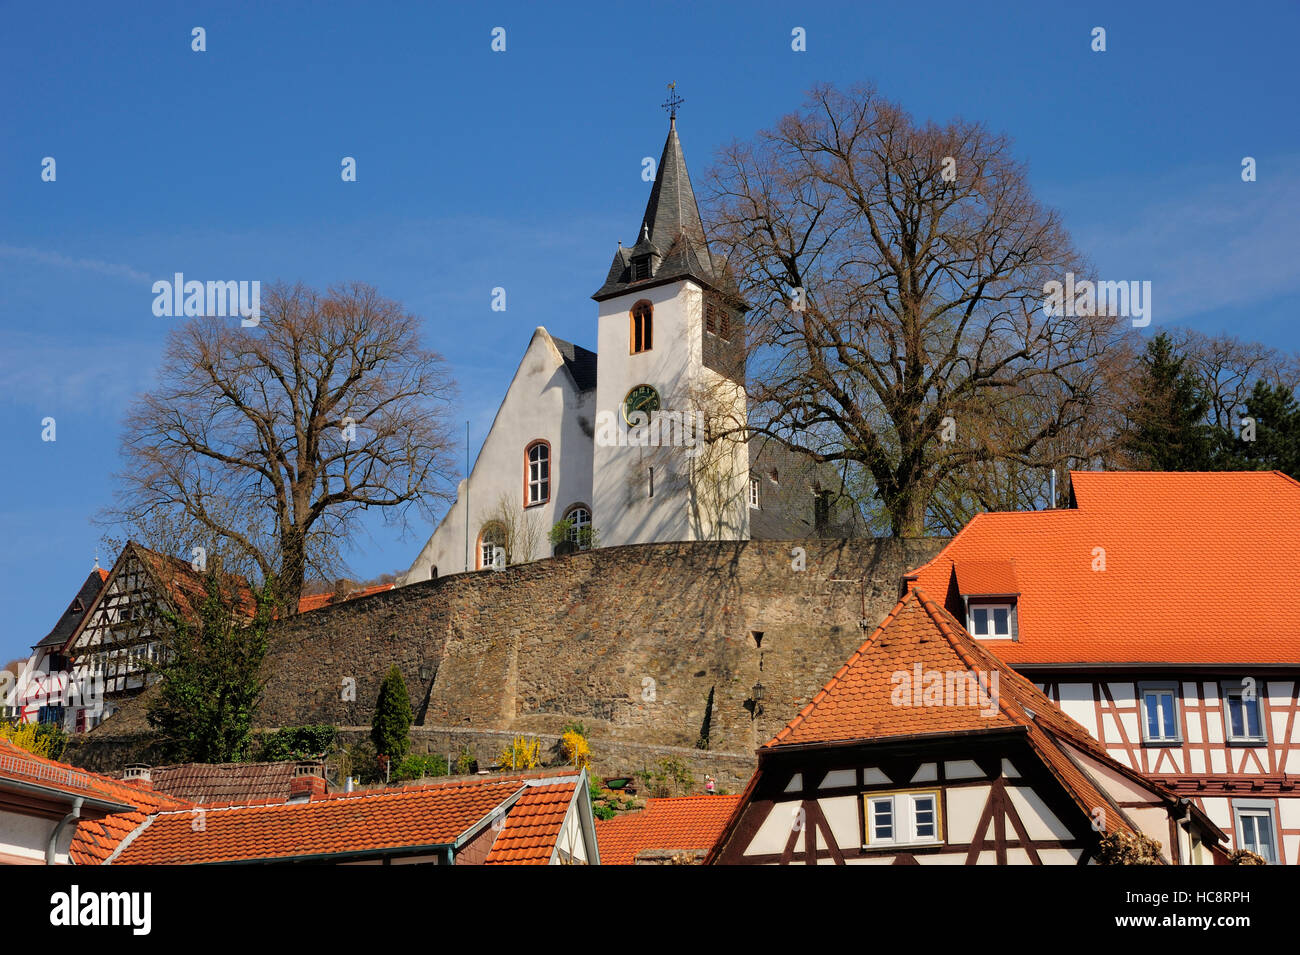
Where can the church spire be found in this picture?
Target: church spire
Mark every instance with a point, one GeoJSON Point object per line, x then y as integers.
{"type": "Point", "coordinates": [670, 241]}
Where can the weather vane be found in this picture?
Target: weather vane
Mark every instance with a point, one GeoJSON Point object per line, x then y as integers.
{"type": "Point", "coordinates": [673, 101]}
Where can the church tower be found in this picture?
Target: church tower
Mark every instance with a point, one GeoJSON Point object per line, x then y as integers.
{"type": "Point", "coordinates": [670, 381]}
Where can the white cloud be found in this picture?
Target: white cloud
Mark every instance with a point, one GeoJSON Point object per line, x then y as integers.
{"type": "Point", "coordinates": [59, 260]}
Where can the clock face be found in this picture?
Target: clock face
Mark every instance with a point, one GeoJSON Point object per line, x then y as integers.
{"type": "Point", "coordinates": [641, 398]}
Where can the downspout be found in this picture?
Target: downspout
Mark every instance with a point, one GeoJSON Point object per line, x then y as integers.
{"type": "Point", "coordinates": [58, 830]}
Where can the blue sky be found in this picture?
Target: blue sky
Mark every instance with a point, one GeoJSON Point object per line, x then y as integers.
{"type": "Point", "coordinates": [522, 170]}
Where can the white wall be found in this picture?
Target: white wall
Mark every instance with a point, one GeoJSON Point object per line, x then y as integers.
{"type": "Point", "coordinates": [624, 511]}
{"type": "Point", "coordinates": [542, 402]}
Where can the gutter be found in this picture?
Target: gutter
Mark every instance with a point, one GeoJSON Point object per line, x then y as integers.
{"type": "Point", "coordinates": [50, 847]}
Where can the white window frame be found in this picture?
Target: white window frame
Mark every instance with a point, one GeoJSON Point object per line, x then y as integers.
{"type": "Point", "coordinates": [903, 818]}
{"type": "Point", "coordinates": [1254, 809]}
{"type": "Point", "coordinates": [989, 606]}
{"type": "Point", "coordinates": [576, 526]}
{"type": "Point", "coordinates": [538, 483]}
{"type": "Point", "coordinates": [753, 493]}
{"type": "Point", "coordinates": [1229, 690]}
{"type": "Point", "coordinates": [1160, 689]}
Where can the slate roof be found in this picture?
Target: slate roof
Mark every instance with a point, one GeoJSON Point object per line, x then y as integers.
{"type": "Point", "coordinates": [1200, 568]}
{"type": "Point", "coordinates": [76, 611]}
{"type": "Point", "coordinates": [580, 362]}
{"type": "Point", "coordinates": [671, 232]}
{"type": "Point", "coordinates": [686, 823]}
{"type": "Point", "coordinates": [367, 821]}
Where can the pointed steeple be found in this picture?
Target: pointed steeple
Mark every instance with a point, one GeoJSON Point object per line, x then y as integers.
{"type": "Point", "coordinates": [670, 241]}
{"type": "Point", "coordinates": [672, 210]}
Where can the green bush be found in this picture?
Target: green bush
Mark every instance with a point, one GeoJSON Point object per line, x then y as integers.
{"type": "Point", "coordinates": [418, 767]}
{"type": "Point", "coordinates": [295, 743]}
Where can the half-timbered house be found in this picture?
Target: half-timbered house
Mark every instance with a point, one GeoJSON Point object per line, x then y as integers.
{"type": "Point", "coordinates": [107, 652]}
{"type": "Point", "coordinates": [1160, 611]}
{"type": "Point", "coordinates": [925, 749]}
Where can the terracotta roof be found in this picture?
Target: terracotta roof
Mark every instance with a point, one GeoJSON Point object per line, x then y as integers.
{"type": "Point", "coordinates": [1200, 568]}
{"type": "Point", "coordinates": [989, 577]}
{"type": "Point", "coordinates": [361, 822]}
{"type": "Point", "coordinates": [531, 828]}
{"type": "Point", "coordinates": [317, 601]}
{"type": "Point", "coordinates": [224, 782]}
{"type": "Point", "coordinates": [95, 837]}
{"type": "Point", "coordinates": [687, 823]}
{"type": "Point", "coordinates": [859, 703]}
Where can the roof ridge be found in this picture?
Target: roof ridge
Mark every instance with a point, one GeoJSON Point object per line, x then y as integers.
{"type": "Point", "coordinates": [857, 654]}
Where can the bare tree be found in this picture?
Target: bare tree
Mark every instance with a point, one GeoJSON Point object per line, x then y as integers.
{"type": "Point", "coordinates": [521, 528]}
{"type": "Point", "coordinates": [1228, 368]}
{"type": "Point", "coordinates": [271, 441]}
{"type": "Point", "coordinates": [897, 274]}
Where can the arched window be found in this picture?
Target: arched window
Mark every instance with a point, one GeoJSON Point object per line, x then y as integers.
{"type": "Point", "coordinates": [537, 473]}
{"type": "Point", "coordinates": [492, 536]}
{"type": "Point", "coordinates": [642, 337]}
{"type": "Point", "coordinates": [579, 518]}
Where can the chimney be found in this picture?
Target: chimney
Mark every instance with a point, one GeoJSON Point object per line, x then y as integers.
{"type": "Point", "coordinates": [340, 588]}
{"type": "Point", "coordinates": [138, 775]}
{"type": "Point", "coordinates": [307, 783]}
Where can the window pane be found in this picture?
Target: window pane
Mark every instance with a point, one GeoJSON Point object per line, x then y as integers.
{"type": "Point", "coordinates": [981, 618]}
{"type": "Point", "coordinates": [882, 819]}
{"type": "Point", "coordinates": [924, 809]}
{"type": "Point", "coordinates": [1153, 715]}
{"type": "Point", "coordinates": [1000, 622]}
{"type": "Point", "coordinates": [1257, 834]}
{"type": "Point", "coordinates": [1236, 725]}
{"type": "Point", "coordinates": [1167, 713]}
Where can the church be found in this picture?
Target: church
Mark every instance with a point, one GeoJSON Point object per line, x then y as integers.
{"type": "Point", "coordinates": [642, 440]}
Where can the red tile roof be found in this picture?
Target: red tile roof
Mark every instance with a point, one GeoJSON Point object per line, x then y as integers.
{"type": "Point", "coordinates": [316, 601]}
{"type": "Point", "coordinates": [531, 828]}
{"type": "Point", "coordinates": [684, 823]}
{"type": "Point", "coordinates": [860, 703]}
{"type": "Point", "coordinates": [361, 822]}
{"type": "Point", "coordinates": [988, 577]}
{"type": "Point", "coordinates": [95, 838]}
{"type": "Point", "coordinates": [1200, 568]}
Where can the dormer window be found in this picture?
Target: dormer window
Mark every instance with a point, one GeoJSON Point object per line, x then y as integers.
{"type": "Point", "coordinates": [640, 268]}
{"type": "Point", "coordinates": [991, 621]}
{"type": "Point", "coordinates": [990, 590]}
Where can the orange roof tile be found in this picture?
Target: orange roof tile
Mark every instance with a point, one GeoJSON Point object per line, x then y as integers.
{"type": "Point", "coordinates": [95, 838]}
{"type": "Point", "coordinates": [681, 822]}
{"type": "Point", "coordinates": [316, 601]}
{"type": "Point", "coordinates": [532, 826]}
{"type": "Point", "coordinates": [859, 703]}
{"type": "Point", "coordinates": [1200, 568]}
{"type": "Point", "coordinates": [360, 822]}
